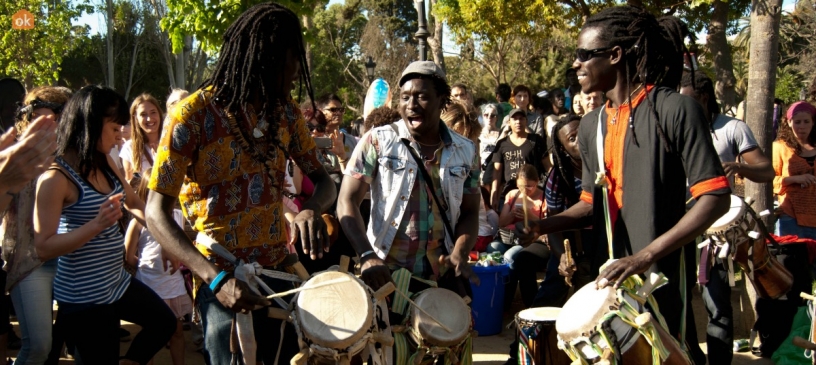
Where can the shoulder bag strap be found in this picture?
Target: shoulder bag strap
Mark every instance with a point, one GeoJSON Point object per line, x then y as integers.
{"type": "Point", "coordinates": [427, 178]}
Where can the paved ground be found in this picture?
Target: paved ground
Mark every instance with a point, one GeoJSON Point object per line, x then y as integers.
{"type": "Point", "coordinates": [492, 350]}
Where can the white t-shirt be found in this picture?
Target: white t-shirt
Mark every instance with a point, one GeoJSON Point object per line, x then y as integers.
{"type": "Point", "coordinates": [127, 155]}
{"type": "Point", "coordinates": [732, 137]}
{"type": "Point", "coordinates": [151, 269]}
{"type": "Point", "coordinates": [488, 222]}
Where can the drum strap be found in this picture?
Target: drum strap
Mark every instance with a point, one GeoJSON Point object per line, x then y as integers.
{"type": "Point", "coordinates": [601, 181]}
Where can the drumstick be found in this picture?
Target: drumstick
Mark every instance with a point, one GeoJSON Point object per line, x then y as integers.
{"type": "Point", "coordinates": [524, 208]}
{"type": "Point", "coordinates": [568, 252]}
{"type": "Point", "coordinates": [302, 288]}
{"type": "Point", "coordinates": [807, 296]}
{"type": "Point", "coordinates": [444, 327]}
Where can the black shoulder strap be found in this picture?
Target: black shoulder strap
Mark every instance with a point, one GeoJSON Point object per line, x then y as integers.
{"type": "Point", "coordinates": [427, 178]}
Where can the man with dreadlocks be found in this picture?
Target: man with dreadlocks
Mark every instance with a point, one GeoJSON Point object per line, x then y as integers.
{"type": "Point", "coordinates": [652, 141]}
{"type": "Point", "coordinates": [223, 156]}
{"type": "Point", "coordinates": [733, 141]}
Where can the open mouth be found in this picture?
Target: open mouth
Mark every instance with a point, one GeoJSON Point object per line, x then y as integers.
{"type": "Point", "coordinates": [415, 121]}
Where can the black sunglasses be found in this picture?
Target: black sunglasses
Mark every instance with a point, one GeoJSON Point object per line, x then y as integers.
{"type": "Point", "coordinates": [584, 55]}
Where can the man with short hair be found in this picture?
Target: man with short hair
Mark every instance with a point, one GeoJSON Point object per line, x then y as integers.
{"type": "Point", "coordinates": [733, 141]}
{"type": "Point", "coordinates": [342, 145]}
{"type": "Point", "coordinates": [407, 227]}
{"type": "Point", "coordinates": [460, 93]}
{"type": "Point", "coordinates": [518, 148]}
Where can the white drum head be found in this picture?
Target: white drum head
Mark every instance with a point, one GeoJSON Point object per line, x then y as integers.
{"type": "Point", "coordinates": [337, 315]}
{"type": "Point", "coordinates": [447, 307]}
{"type": "Point", "coordinates": [734, 213]}
{"type": "Point", "coordinates": [543, 314]}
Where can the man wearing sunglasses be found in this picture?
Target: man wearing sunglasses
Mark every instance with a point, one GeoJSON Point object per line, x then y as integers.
{"type": "Point", "coordinates": [644, 144]}
{"type": "Point", "coordinates": [332, 107]}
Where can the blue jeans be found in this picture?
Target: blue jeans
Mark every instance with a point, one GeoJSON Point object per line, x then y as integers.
{"type": "Point", "coordinates": [32, 299]}
{"type": "Point", "coordinates": [217, 324]}
{"type": "Point", "coordinates": [509, 251]}
{"type": "Point", "coordinates": [786, 225]}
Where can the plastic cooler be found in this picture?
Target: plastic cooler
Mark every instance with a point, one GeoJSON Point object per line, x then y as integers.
{"type": "Point", "coordinates": [487, 306]}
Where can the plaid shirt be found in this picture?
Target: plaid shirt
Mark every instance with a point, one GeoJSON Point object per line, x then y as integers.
{"type": "Point", "coordinates": [417, 245]}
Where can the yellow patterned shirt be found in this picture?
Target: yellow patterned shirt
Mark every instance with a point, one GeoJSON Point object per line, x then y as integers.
{"type": "Point", "coordinates": [223, 191]}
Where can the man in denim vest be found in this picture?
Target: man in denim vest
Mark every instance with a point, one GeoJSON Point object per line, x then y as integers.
{"type": "Point", "coordinates": [407, 228]}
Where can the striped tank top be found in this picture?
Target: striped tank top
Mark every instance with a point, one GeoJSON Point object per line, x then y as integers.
{"type": "Point", "coordinates": [93, 274]}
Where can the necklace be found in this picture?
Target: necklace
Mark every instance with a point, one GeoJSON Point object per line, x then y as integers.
{"type": "Point", "coordinates": [625, 103]}
{"type": "Point", "coordinates": [433, 155]}
{"type": "Point", "coordinates": [429, 144]}
{"type": "Point", "coordinates": [263, 154]}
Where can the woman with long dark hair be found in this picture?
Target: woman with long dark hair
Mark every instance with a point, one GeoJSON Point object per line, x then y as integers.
{"type": "Point", "coordinates": [79, 202]}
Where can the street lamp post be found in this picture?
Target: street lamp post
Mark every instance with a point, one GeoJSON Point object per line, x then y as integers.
{"type": "Point", "coordinates": [422, 34]}
{"type": "Point", "coordinates": [369, 66]}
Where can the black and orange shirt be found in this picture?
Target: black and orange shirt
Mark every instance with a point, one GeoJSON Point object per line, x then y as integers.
{"type": "Point", "coordinates": [647, 175]}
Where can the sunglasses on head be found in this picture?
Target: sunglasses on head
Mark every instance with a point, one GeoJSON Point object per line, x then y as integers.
{"type": "Point", "coordinates": [584, 55]}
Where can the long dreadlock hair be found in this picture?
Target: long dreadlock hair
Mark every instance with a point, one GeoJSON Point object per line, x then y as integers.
{"type": "Point", "coordinates": [253, 59]}
{"type": "Point", "coordinates": [653, 49]}
{"type": "Point", "coordinates": [565, 172]}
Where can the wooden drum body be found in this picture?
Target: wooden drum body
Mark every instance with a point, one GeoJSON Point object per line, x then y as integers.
{"type": "Point", "coordinates": [604, 325]}
{"type": "Point", "coordinates": [537, 337]}
{"type": "Point", "coordinates": [737, 235]}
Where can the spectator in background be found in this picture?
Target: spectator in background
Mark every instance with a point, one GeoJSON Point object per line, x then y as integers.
{"type": "Point", "coordinates": [794, 153]}
{"type": "Point", "coordinates": [457, 118]}
{"type": "Point", "coordinates": [147, 118]}
{"type": "Point", "coordinates": [175, 96]}
{"type": "Point", "coordinates": [558, 101]}
{"type": "Point", "coordinates": [28, 279]}
{"type": "Point", "coordinates": [573, 89]}
{"type": "Point", "coordinates": [521, 100]}
{"type": "Point", "coordinates": [12, 92]}
{"type": "Point", "coordinates": [541, 104]}
{"type": "Point", "coordinates": [503, 101]}
{"type": "Point", "coordinates": [380, 117]}
{"type": "Point", "coordinates": [460, 93]}
{"type": "Point", "coordinates": [591, 101]}
{"type": "Point", "coordinates": [512, 152]}
{"type": "Point", "coordinates": [577, 105]}
{"type": "Point", "coordinates": [488, 223]}
{"type": "Point", "coordinates": [332, 107]}
{"type": "Point", "coordinates": [487, 143]}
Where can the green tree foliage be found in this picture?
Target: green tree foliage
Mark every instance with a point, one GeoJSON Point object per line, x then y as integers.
{"type": "Point", "coordinates": [34, 56]}
{"type": "Point", "coordinates": [337, 65]}
{"type": "Point", "coordinates": [208, 20]}
{"type": "Point", "coordinates": [138, 61]}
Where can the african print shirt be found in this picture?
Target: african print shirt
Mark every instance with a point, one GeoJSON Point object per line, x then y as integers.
{"type": "Point", "coordinates": [223, 191]}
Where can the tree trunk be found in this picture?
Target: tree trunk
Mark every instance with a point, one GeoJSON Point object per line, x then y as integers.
{"type": "Point", "coordinates": [308, 24]}
{"type": "Point", "coordinates": [721, 52]}
{"type": "Point", "coordinates": [765, 18]}
{"type": "Point", "coordinates": [435, 41]}
{"type": "Point", "coordinates": [638, 3]}
{"type": "Point", "coordinates": [109, 44]}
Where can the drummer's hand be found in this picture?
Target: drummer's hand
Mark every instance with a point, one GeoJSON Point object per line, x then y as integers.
{"type": "Point", "coordinates": [374, 272]}
{"type": "Point", "coordinates": [564, 269]}
{"type": "Point", "coordinates": [526, 235]}
{"type": "Point", "coordinates": [459, 262]}
{"type": "Point", "coordinates": [312, 231]}
{"type": "Point", "coordinates": [731, 168]}
{"type": "Point", "coordinates": [236, 295]}
{"type": "Point", "coordinates": [623, 268]}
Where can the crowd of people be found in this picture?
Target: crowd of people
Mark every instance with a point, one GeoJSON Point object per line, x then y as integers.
{"type": "Point", "coordinates": [108, 206]}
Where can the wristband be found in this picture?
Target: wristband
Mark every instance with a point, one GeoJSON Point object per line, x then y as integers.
{"type": "Point", "coordinates": [214, 284]}
{"type": "Point", "coordinates": [364, 254]}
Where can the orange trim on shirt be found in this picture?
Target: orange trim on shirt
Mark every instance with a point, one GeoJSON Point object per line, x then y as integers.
{"type": "Point", "coordinates": [617, 124]}
{"type": "Point", "coordinates": [706, 186]}
{"type": "Point", "coordinates": [586, 197]}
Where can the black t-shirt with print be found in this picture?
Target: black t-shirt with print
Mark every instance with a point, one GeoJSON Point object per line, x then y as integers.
{"type": "Point", "coordinates": [513, 157]}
